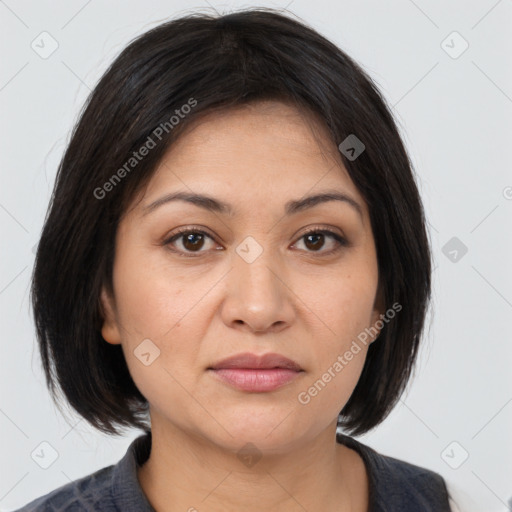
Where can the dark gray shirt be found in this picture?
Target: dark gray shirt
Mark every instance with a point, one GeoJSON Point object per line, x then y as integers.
{"type": "Point", "coordinates": [395, 485]}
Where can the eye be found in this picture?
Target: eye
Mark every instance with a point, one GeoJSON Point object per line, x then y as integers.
{"type": "Point", "coordinates": [191, 241]}
{"type": "Point", "coordinates": [314, 240]}
{"type": "Point", "coordinates": [188, 242]}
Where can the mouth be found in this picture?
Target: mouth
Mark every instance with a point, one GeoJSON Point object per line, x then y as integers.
{"type": "Point", "coordinates": [254, 373]}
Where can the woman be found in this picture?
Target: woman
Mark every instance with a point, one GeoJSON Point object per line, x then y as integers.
{"type": "Point", "coordinates": [235, 261]}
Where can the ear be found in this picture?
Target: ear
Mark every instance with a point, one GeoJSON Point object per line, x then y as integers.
{"type": "Point", "coordinates": [378, 310]}
{"type": "Point", "coordinates": [109, 329]}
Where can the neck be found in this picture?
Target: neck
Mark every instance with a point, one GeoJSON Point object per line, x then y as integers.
{"type": "Point", "coordinates": [190, 473]}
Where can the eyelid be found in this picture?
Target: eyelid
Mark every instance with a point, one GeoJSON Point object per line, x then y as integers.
{"type": "Point", "coordinates": [331, 232]}
{"type": "Point", "coordinates": [182, 231]}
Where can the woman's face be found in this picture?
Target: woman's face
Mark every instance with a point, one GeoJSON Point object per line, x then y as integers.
{"type": "Point", "coordinates": [252, 283]}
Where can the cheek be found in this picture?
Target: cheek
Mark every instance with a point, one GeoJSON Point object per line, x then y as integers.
{"type": "Point", "coordinates": [158, 345]}
{"type": "Point", "coordinates": [152, 299]}
{"type": "Point", "coordinates": [345, 306]}
{"type": "Point", "coordinates": [154, 303]}
{"type": "Point", "coordinates": [324, 395]}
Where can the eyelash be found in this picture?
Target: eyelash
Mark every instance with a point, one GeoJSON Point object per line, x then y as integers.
{"type": "Point", "coordinates": [342, 242]}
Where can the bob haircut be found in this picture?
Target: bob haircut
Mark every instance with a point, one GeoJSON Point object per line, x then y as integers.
{"type": "Point", "coordinates": [211, 64]}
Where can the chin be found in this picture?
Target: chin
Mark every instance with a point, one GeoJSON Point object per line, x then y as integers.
{"type": "Point", "coordinates": [267, 433]}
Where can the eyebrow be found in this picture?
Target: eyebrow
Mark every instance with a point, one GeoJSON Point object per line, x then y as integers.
{"type": "Point", "coordinates": [214, 205]}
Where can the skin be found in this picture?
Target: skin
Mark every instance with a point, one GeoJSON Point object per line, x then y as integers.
{"type": "Point", "coordinates": [294, 299]}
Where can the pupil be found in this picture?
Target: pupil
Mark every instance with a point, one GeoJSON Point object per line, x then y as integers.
{"type": "Point", "coordinates": [189, 239]}
{"type": "Point", "coordinates": [317, 236]}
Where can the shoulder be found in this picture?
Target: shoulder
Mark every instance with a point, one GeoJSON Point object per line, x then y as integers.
{"type": "Point", "coordinates": [409, 483]}
{"type": "Point", "coordinates": [405, 486]}
{"type": "Point", "coordinates": [109, 489]}
{"type": "Point", "coordinates": [397, 485]}
{"type": "Point", "coordinates": [86, 493]}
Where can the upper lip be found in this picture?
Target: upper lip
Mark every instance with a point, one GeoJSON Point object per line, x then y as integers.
{"type": "Point", "coordinates": [255, 361]}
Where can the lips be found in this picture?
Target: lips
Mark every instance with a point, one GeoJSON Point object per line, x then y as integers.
{"type": "Point", "coordinates": [256, 374]}
{"type": "Point", "coordinates": [257, 362]}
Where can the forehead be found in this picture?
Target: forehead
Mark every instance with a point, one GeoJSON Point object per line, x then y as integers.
{"type": "Point", "coordinates": [243, 131]}
{"type": "Point", "coordinates": [251, 154]}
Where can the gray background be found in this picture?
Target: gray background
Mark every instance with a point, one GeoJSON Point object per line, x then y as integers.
{"type": "Point", "coordinates": [454, 111]}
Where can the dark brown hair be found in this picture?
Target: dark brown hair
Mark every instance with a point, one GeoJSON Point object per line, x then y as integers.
{"type": "Point", "coordinates": [218, 62]}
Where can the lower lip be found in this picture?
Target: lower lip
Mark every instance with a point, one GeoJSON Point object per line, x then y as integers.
{"type": "Point", "coordinates": [256, 380]}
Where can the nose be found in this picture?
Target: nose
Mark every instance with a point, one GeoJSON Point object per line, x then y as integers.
{"type": "Point", "coordinates": [258, 296]}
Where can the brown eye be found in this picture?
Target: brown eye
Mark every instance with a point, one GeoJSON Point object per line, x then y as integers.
{"type": "Point", "coordinates": [191, 241]}
{"type": "Point", "coordinates": [315, 241]}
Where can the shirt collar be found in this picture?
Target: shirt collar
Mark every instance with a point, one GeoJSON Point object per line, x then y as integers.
{"type": "Point", "coordinates": [126, 490]}
{"type": "Point", "coordinates": [128, 495]}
